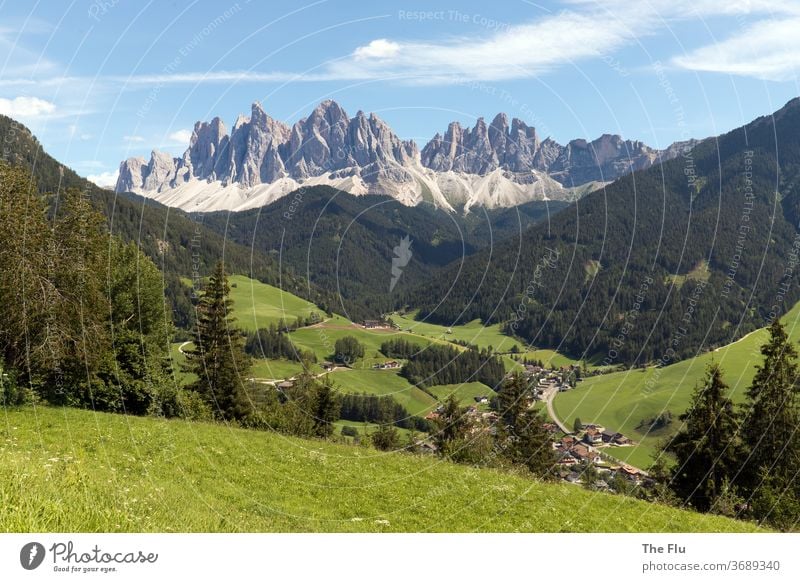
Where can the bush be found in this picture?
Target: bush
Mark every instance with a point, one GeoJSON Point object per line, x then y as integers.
{"type": "Point", "coordinates": [192, 406]}
{"type": "Point", "coordinates": [11, 393]}
{"type": "Point", "coordinates": [386, 438]}
{"type": "Point", "coordinates": [349, 431]}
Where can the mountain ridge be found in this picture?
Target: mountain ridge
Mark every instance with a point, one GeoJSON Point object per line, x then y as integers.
{"type": "Point", "coordinates": [496, 165]}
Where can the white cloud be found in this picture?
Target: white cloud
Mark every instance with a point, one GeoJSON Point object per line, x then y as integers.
{"type": "Point", "coordinates": [134, 139]}
{"type": "Point", "coordinates": [104, 179]}
{"type": "Point", "coordinates": [514, 52]}
{"type": "Point", "coordinates": [766, 50]}
{"type": "Point", "coordinates": [377, 49]}
{"type": "Point", "coordinates": [26, 107]}
{"type": "Point", "coordinates": [182, 136]}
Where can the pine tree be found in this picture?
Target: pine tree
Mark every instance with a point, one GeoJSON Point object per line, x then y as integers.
{"type": "Point", "coordinates": [771, 412]}
{"type": "Point", "coordinates": [218, 358]}
{"type": "Point", "coordinates": [327, 407]}
{"type": "Point", "coordinates": [512, 402]}
{"type": "Point", "coordinates": [706, 448]}
{"type": "Point", "coordinates": [771, 419]}
{"type": "Point", "coordinates": [386, 438]}
{"type": "Point", "coordinates": [451, 425]}
{"type": "Point", "coordinates": [532, 445]}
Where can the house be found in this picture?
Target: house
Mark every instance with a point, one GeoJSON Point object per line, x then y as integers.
{"type": "Point", "coordinates": [608, 436]}
{"type": "Point", "coordinates": [592, 436]}
{"type": "Point", "coordinates": [328, 366]}
{"type": "Point", "coordinates": [596, 427]}
{"type": "Point", "coordinates": [567, 460]}
{"type": "Point", "coordinates": [621, 439]}
{"type": "Point", "coordinates": [629, 472]}
{"type": "Point", "coordinates": [391, 365]}
{"type": "Point", "coordinates": [584, 453]}
{"type": "Point", "coordinates": [481, 400]}
{"type": "Point", "coordinates": [600, 485]}
{"type": "Point", "coordinates": [550, 427]}
{"type": "Point", "coordinates": [615, 438]}
{"type": "Point", "coordinates": [375, 324]}
{"type": "Point", "coordinates": [568, 442]}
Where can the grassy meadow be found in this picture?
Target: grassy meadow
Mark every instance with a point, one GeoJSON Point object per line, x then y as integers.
{"type": "Point", "coordinates": [259, 305]}
{"type": "Point", "coordinates": [70, 470]}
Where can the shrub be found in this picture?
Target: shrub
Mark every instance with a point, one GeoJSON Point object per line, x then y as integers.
{"type": "Point", "coordinates": [349, 431]}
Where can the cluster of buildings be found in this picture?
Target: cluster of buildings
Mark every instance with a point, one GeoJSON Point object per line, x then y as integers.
{"type": "Point", "coordinates": [390, 365]}
{"type": "Point", "coordinates": [577, 451]}
{"type": "Point", "coordinates": [543, 380]}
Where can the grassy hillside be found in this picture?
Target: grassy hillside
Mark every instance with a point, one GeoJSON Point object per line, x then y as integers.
{"type": "Point", "coordinates": [259, 305]}
{"type": "Point", "coordinates": [622, 400]}
{"type": "Point", "coordinates": [465, 392]}
{"type": "Point", "coordinates": [483, 336]}
{"type": "Point", "coordinates": [386, 383]}
{"type": "Point", "coordinates": [72, 470]}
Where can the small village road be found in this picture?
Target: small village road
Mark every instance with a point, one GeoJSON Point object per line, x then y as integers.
{"type": "Point", "coordinates": [550, 394]}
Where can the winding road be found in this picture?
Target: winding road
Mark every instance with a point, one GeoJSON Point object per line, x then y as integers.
{"type": "Point", "coordinates": [549, 395]}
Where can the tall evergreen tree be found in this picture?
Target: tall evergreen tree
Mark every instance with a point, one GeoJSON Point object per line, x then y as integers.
{"type": "Point", "coordinates": [707, 447]}
{"type": "Point", "coordinates": [771, 418]}
{"type": "Point", "coordinates": [327, 407]}
{"type": "Point", "coordinates": [771, 411]}
{"type": "Point", "coordinates": [218, 358]}
{"type": "Point", "coordinates": [522, 432]}
{"type": "Point", "coordinates": [451, 427]}
{"type": "Point", "coordinates": [512, 402]}
{"type": "Point", "coordinates": [532, 445]}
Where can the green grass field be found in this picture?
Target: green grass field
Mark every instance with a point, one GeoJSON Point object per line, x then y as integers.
{"type": "Point", "coordinates": [259, 305]}
{"type": "Point", "coordinates": [67, 470]}
{"type": "Point", "coordinates": [385, 383]}
{"type": "Point", "coordinates": [465, 393]}
{"type": "Point", "coordinates": [482, 336]}
{"type": "Point", "coordinates": [474, 333]}
{"type": "Point", "coordinates": [367, 428]}
{"type": "Point", "coordinates": [621, 400]}
{"type": "Point", "coordinates": [321, 339]}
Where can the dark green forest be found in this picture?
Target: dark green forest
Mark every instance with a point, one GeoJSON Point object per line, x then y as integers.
{"type": "Point", "coordinates": [345, 243]}
{"type": "Point", "coordinates": [687, 255]}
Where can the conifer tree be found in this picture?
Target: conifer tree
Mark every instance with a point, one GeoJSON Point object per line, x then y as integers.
{"type": "Point", "coordinates": [770, 421]}
{"type": "Point", "coordinates": [771, 412]}
{"type": "Point", "coordinates": [451, 425]}
{"type": "Point", "coordinates": [526, 440]}
{"type": "Point", "coordinates": [218, 358]}
{"type": "Point", "coordinates": [532, 446]}
{"type": "Point", "coordinates": [327, 407]}
{"type": "Point", "coordinates": [706, 447]}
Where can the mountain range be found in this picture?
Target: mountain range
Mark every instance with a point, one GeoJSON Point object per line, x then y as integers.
{"type": "Point", "coordinates": [496, 165]}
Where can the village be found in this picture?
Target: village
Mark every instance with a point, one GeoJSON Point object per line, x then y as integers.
{"type": "Point", "coordinates": [581, 453]}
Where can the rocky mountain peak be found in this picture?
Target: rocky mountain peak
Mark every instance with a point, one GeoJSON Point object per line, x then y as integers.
{"type": "Point", "coordinates": [363, 154]}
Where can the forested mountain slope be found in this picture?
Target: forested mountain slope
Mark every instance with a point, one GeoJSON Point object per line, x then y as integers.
{"type": "Point", "coordinates": [178, 244]}
{"type": "Point", "coordinates": [664, 262]}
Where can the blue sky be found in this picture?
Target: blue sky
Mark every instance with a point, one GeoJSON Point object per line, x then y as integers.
{"type": "Point", "coordinates": [102, 80]}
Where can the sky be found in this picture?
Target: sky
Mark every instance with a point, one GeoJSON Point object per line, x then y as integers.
{"type": "Point", "coordinates": [99, 81]}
